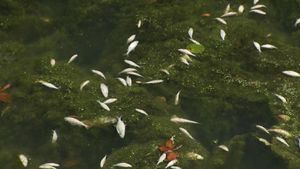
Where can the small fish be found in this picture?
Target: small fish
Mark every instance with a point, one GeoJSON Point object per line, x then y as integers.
{"type": "Point", "coordinates": [195, 42]}
{"type": "Point", "coordinates": [229, 14]}
{"type": "Point", "coordinates": [190, 32]}
{"type": "Point", "coordinates": [268, 46]}
{"type": "Point", "coordinates": [104, 89]}
{"type": "Point", "coordinates": [171, 163]}
{"type": "Point", "coordinates": [120, 127]}
{"type": "Point", "coordinates": [223, 147]}
{"type": "Point", "coordinates": [103, 105]}
{"type": "Point", "coordinates": [176, 119]}
{"type": "Point", "coordinates": [102, 162]}
{"type": "Point", "coordinates": [291, 73]}
{"type": "Point", "coordinates": [227, 9]}
{"type": "Point", "coordinates": [281, 132]}
{"type": "Point", "coordinates": [222, 34]}
{"type": "Point", "coordinates": [185, 51]}
{"type": "Point", "coordinates": [97, 72]}
{"type": "Point", "coordinates": [282, 141]}
{"type": "Point", "coordinates": [257, 46]}
{"type": "Point", "coordinates": [134, 74]}
{"type": "Point", "coordinates": [128, 70]}
{"type": "Point", "coordinates": [154, 81]}
{"type": "Point", "coordinates": [194, 156]}
{"type": "Point", "coordinates": [264, 141]}
{"type": "Point", "coordinates": [142, 111]}
{"type": "Point", "coordinates": [132, 63]}
{"type": "Point", "coordinates": [297, 22]}
{"type": "Point", "coordinates": [258, 11]}
{"type": "Point", "coordinates": [72, 58]}
{"type": "Point", "coordinates": [49, 165]}
{"type": "Point", "coordinates": [83, 84]}
{"type": "Point", "coordinates": [131, 47]}
{"type": "Point", "coordinates": [184, 60]}
{"type": "Point", "coordinates": [206, 14]}
{"type": "Point", "coordinates": [124, 165]}
{"type": "Point", "coordinates": [123, 81]}
{"type": "Point", "coordinates": [241, 9]}
{"type": "Point", "coordinates": [184, 131]}
{"type": "Point", "coordinates": [47, 84]}
{"type": "Point", "coordinates": [23, 159]}
{"type": "Point", "coordinates": [110, 100]}
{"type": "Point", "coordinates": [175, 167]}
{"type": "Point", "coordinates": [131, 38]}
{"type": "Point", "coordinates": [52, 62]}
{"type": "Point", "coordinates": [258, 6]}
{"type": "Point", "coordinates": [262, 128]}
{"type": "Point", "coordinates": [221, 20]}
{"type": "Point", "coordinates": [139, 24]}
{"type": "Point", "coordinates": [255, 1]}
{"type": "Point", "coordinates": [177, 97]}
{"type": "Point", "coordinates": [54, 137]}
{"type": "Point", "coordinates": [75, 122]}
{"type": "Point", "coordinates": [161, 158]}
{"type": "Point", "coordinates": [281, 98]}
{"type": "Point", "coordinates": [165, 71]}
{"type": "Point", "coordinates": [128, 81]}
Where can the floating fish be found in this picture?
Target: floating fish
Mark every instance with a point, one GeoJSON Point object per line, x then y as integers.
{"type": "Point", "coordinates": [221, 20]}
{"type": "Point", "coordinates": [262, 128]}
{"type": "Point", "coordinates": [75, 122]}
{"type": "Point", "coordinates": [103, 105]}
{"type": "Point", "coordinates": [258, 6]}
{"type": "Point", "coordinates": [194, 156]}
{"type": "Point", "coordinates": [131, 47]}
{"type": "Point", "coordinates": [227, 9]}
{"type": "Point", "coordinates": [142, 111]}
{"type": "Point", "coordinates": [281, 132]}
{"type": "Point", "coordinates": [161, 158]}
{"type": "Point", "coordinates": [222, 34]}
{"type": "Point", "coordinates": [131, 38]}
{"type": "Point", "coordinates": [241, 9]}
{"type": "Point", "coordinates": [165, 71]}
{"type": "Point", "coordinates": [258, 11]}
{"type": "Point", "coordinates": [154, 81]}
{"type": "Point", "coordinates": [134, 74]}
{"type": "Point", "coordinates": [124, 165]}
{"type": "Point", "coordinates": [257, 46]}
{"type": "Point", "coordinates": [139, 24]}
{"type": "Point", "coordinates": [47, 84]}
{"type": "Point", "coordinates": [49, 166]}
{"type": "Point", "coordinates": [223, 147]}
{"type": "Point", "coordinates": [264, 141]}
{"type": "Point", "coordinates": [284, 117]}
{"type": "Point", "coordinates": [132, 63]}
{"type": "Point", "coordinates": [102, 162]}
{"type": "Point", "coordinates": [97, 72]}
{"type": "Point", "coordinates": [23, 159]}
{"type": "Point", "coordinates": [281, 98]}
{"type": "Point", "coordinates": [297, 22]}
{"type": "Point", "coordinates": [120, 127]}
{"type": "Point", "coordinates": [128, 70]}
{"type": "Point", "coordinates": [175, 167]}
{"type": "Point", "coordinates": [104, 89]}
{"type": "Point", "coordinates": [184, 60]}
{"type": "Point", "coordinates": [83, 84]}
{"type": "Point", "coordinates": [128, 81]}
{"type": "Point", "coordinates": [110, 100]}
{"type": "Point", "coordinates": [177, 97]}
{"type": "Point", "coordinates": [184, 131]}
{"type": "Point", "coordinates": [187, 52]}
{"type": "Point", "coordinates": [291, 73]}
{"type": "Point", "coordinates": [171, 163]}
{"type": "Point", "coordinates": [72, 58]}
{"type": "Point", "coordinates": [195, 42]}
{"type": "Point", "coordinates": [190, 32]}
{"type": "Point", "coordinates": [123, 81]}
{"type": "Point", "coordinates": [229, 14]}
{"type": "Point", "coordinates": [282, 140]}
{"type": "Point", "coordinates": [268, 46]}
{"type": "Point", "coordinates": [255, 1]}
{"type": "Point", "coordinates": [52, 62]}
{"type": "Point", "coordinates": [54, 137]}
{"type": "Point", "coordinates": [176, 119]}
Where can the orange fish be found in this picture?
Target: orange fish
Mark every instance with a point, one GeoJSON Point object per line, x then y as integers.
{"type": "Point", "coordinates": [5, 97]}
{"type": "Point", "coordinates": [206, 14]}
{"type": "Point", "coordinates": [169, 149]}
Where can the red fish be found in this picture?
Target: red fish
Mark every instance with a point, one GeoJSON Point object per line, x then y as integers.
{"type": "Point", "coordinates": [5, 97]}
{"type": "Point", "coordinates": [169, 149]}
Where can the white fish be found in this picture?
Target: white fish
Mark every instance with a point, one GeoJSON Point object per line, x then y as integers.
{"type": "Point", "coordinates": [97, 72]}
{"type": "Point", "coordinates": [49, 164]}
{"type": "Point", "coordinates": [258, 11]}
{"type": "Point", "coordinates": [23, 159]}
{"type": "Point", "coordinates": [128, 70]}
{"type": "Point", "coordinates": [84, 84]}
{"type": "Point", "coordinates": [104, 89]}
{"type": "Point", "coordinates": [139, 24]}
{"type": "Point", "coordinates": [227, 9]}
{"type": "Point", "coordinates": [134, 74]}
{"type": "Point", "coordinates": [142, 111]}
{"type": "Point", "coordinates": [72, 58]}
{"type": "Point", "coordinates": [171, 163]}
{"type": "Point", "coordinates": [123, 81]}
{"type": "Point", "coordinates": [124, 165]}
{"type": "Point", "coordinates": [110, 100]}
{"type": "Point", "coordinates": [255, 1]}
{"type": "Point", "coordinates": [52, 62]}
{"type": "Point", "coordinates": [131, 47]}
{"type": "Point", "coordinates": [281, 132]}
{"type": "Point", "coordinates": [54, 137]}
{"type": "Point", "coordinates": [47, 84]}
{"type": "Point", "coordinates": [128, 81]}
{"type": "Point", "coordinates": [103, 105]}
{"type": "Point", "coordinates": [223, 147]}
{"type": "Point", "coordinates": [281, 98]}
{"type": "Point", "coordinates": [161, 158]}
{"type": "Point", "coordinates": [297, 22]}
{"type": "Point", "coordinates": [194, 156]}
{"type": "Point", "coordinates": [184, 131]}
{"type": "Point", "coordinates": [291, 73]}
{"type": "Point", "coordinates": [177, 97]}
{"type": "Point", "coordinates": [185, 51]}
{"type": "Point", "coordinates": [132, 63]}
{"type": "Point", "coordinates": [102, 162]}
{"type": "Point", "coordinates": [262, 128]}
{"type": "Point", "coordinates": [241, 9]}
{"type": "Point", "coordinates": [264, 141]}
{"type": "Point", "coordinates": [190, 32]}
{"type": "Point", "coordinates": [222, 34]}
{"type": "Point", "coordinates": [47, 167]}
{"type": "Point", "coordinates": [154, 81]}
{"type": "Point", "coordinates": [120, 127]}
{"type": "Point", "coordinates": [257, 46]}
{"type": "Point", "coordinates": [175, 167]}
{"type": "Point", "coordinates": [282, 140]}
{"type": "Point", "coordinates": [229, 14]}
{"type": "Point", "coordinates": [75, 122]}
{"type": "Point", "coordinates": [165, 71]}
{"type": "Point", "coordinates": [184, 60]}
{"type": "Point", "coordinates": [131, 38]}
{"type": "Point", "coordinates": [258, 6]}
{"type": "Point", "coordinates": [195, 42]}
{"type": "Point", "coordinates": [221, 20]}
{"type": "Point", "coordinates": [268, 46]}
{"type": "Point", "coordinates": [176, 119]}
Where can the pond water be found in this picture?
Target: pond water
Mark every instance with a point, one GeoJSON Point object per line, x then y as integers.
{"type": "Point", "coordinates": [229, 86]}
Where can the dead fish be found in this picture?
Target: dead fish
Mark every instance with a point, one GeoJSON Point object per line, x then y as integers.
{"type": "Point", "coordinates": [258, 6]}
{"type": "Point", "coordinates": [176, 119]}
{"type": "Point", "coordinates": [103, 105]}
{"type": "Point", "coordinates": [258, 11]}
{"type": "Point", "coordinates": [257, 46]}
{"type": "Point", "coordinates": [97, 72]}
{"type": "Point", "coordinates": [184, 60]}
{"type": "Point", "coordinates": [177, 97]}
{"type": "Point", "coordinates": [281, 132]}
{"type": "Point", "coordinates": [131, 38]}
{"type": "Point", "coordinates": [284, 117]}
{"type": "Point", "coordinates": [221, 20]}
{"type": "Point", "coordinates": [102, 162]}
{"type": "Point", "coordinates": [194, 156]}
{"type": "Point", "coordinates": [184, 131]}
{"type": "Point", "coordinates": [222, 34]}
{"type": "Point", "coordinates": [142, 111]}
{"type": "Point", "coordinates": [123, 81]}
{"type": "Point", "coordinates": [195, 42]}
{"type": "Point", "coordinates": [132, 63]}
{"type": "Point", "coordinates": [297, 22]}
{"type": "Point", "coordinates": [187, 52]}
{"type": "Point", "coordinates": [131, 47]}
{"type": "Point", "coordinates": [110, 100]}
{"type": "Point", "coordinates": [229, 14]}
{"type": "Point", "coordinates": [241, 9]}
{"type": "Point", "coordinates": [104, 89]}
{"type": "Point", "coordinates": [264, 141]}
{"type": "Point", "coordinates": [75, 122]}
{"type": "Point", "coordinates": [268, 46]}
{"type": "Point", "coordinates": [175, 167]}
{"type": "Point", "coordinates": [128, 81]}
{"type": "Point", "coordinates": [134, 74]}
{"type": "Point", "coordinates": [83, 84]}
{"type": "Point", "coordinates": [262, 128]}
{"type": "Point", "coordinates": [154, 81]}
{"type": "Point", "coordinates": [171, 163]}
{"type": "Point", "coordinates": [128, 70]}
{"type": "Point", "coordinates": [124, 165]}
{"type": "Point", "coordinates": [52, 62]}
{"type": "Point", "coordinates": [291, 73]}
{"type": "Point", "coordinates": [47, 84]}
{"type": "Point", "coordinates": [281, 98]}
{"type": "Point", "coordinates": [255, 1]}
{"type": "Point", "coordinates": [139, 24]}
{"type": "Point", "coordinates": [190, 32]}
{"type": "Point", "coordinates": [161, 158]}
{"type": "Point", "coordinates": [227, 9]}
{"type": "Point", "coordinates": [282, 141]}
{"type": "Point", "coordinates": [72, 58]}
{"type": "Point", "coordinates": [120, 127]}
{"type": "Point", "coordinates": [49, 165]}
{"type": "Point", "coordinates": [54, 137]}
{"type": "Point", "coordinates": [165, 71]}
{"type": "Point", "coordinates": [23, 159]}
{"type": "Point", "coordinates": [223, 147]}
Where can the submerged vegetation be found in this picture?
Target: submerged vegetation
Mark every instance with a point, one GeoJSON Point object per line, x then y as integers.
{"type": "Point", "coordinates": [229, 87]}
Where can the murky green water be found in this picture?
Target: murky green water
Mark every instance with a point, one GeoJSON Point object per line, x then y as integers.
{"type": "Point", "coordinates": [229, 88]}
